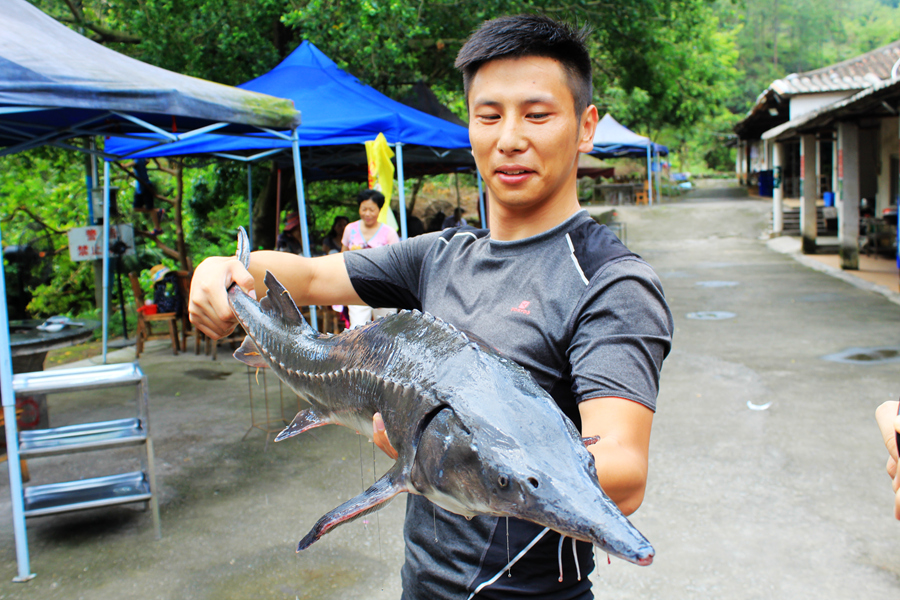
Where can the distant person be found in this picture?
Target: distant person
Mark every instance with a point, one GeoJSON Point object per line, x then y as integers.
{"type": "Point", "coordinates": [332, 242]}
{"type": "Point", "coordinates": [364, 234]}
{"type": "Point", "coordinates": [414, 227]}
{"type": "Point", "coordinates": [436, 221]}
{"type": "Point", "coordinates": [291, 239]}
{"type": "Point", "coordinates": [144, 196]}
{"type": "Point", "coordinates": [889, 423]}
{"type": "Point", "coordinates": [456, 220]}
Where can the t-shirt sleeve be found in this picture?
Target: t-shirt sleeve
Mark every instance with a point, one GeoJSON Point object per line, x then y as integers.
{"type": "Point", "coordinates": [389, 276]}
{"type": "Point", "coordinates": [622, 334]}
{"type": "Point", "coordinates": [391, 235]}
{"type": "Point", "coordinates": [345, 239]}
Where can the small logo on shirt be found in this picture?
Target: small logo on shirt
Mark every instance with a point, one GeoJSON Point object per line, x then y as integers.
{"type": "Point", "coordinates": [522, 308]}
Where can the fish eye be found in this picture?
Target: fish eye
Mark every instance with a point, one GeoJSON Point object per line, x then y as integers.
{"type": "Point", "coordinates": [534, 482]}
{"type": "Point", "coordinates": [503, 480]}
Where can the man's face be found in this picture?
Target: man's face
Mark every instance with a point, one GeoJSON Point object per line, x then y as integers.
{"type": "Point", "coordinates": [524, 132]}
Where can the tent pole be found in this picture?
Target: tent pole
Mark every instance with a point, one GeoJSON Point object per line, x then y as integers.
{"type": "Point", "coordinates": [250, 202]}
{"type": "Point", "coordinates": [91, 179]}
{"type": "Point", "coordinates": [278, 203]}
{"type": "Point", "coordinates": [658, 177]}
{"type": "Point", "coordinates": [649, 178]}
{"type": "Point", "coordinates": [480, 201]}
{"type": "Point", "coordinates": [301, 208]}
{"type": "Point", "coordinates": [401, 191]}
{"type": "Point", "coordinates": [12, 440]}
{"type": "Point", "coordinates": [105, 257]}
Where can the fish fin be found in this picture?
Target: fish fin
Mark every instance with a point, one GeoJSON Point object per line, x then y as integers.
{"type": "Point", "coordinates": [250, 355]}
{"type": "Point", "coordinates": [243, 248]}
{"type": "Point", "coordinates": [372, 499]}
{"type": "Point", "coordinates": [304, 421]}
{"type": "Point", "coordinates": [590, 441]}
{"type": "Point", "coordinates": [279, 302]}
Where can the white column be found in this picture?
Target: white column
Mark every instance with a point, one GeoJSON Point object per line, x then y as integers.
{"type": "Point", "coordinates": [848, 184]}
{"type": "Point", "coordinates": [808, 224]}
{"type": "Point", "coordinates": [777, 188]}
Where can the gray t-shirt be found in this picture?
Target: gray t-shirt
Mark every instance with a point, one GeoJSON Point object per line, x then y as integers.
{"type": "Point", "coordinates": [585, 316]}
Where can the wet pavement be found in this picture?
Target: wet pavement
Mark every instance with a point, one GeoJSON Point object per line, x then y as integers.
{"type": "Point", "coordinates": [766, 476]}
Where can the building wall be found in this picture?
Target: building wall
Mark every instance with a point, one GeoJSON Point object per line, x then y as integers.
{"type": "Point", "coordinates": [805, 103]}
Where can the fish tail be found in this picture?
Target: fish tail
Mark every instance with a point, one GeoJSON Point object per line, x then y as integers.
{"type": "Point", "coordinates": [243, 247]}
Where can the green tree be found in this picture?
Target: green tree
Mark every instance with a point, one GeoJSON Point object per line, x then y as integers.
{"type": "Point", "coordinates": [658, 62]}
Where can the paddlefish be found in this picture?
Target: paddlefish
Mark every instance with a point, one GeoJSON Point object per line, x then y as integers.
{"type": "Point", "coordinates": [474, 433]}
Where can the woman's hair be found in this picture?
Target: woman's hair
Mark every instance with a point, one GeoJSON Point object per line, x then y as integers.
{"type": "Point", "coordinates": [334, 224]}
{"type": "Point", "coordinates": [373, 195]}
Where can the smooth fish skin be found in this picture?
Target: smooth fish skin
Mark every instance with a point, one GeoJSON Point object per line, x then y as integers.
{"type": "Point", "coordinates": [474, 433]}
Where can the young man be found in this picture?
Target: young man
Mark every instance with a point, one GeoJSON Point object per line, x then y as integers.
{"type": "Point", "coordinates": [546, 285]}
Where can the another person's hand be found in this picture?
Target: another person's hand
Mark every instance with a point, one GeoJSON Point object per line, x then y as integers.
{"type": "Point", "coordinates": [379, 436]}
{"type": "Point", "coordinates": [889, 423]}
{"type": "Point", "coordinates": [208, 308]}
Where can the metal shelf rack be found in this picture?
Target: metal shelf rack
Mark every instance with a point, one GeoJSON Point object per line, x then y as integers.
{"type": "Point", "coordinates": [138, 486]}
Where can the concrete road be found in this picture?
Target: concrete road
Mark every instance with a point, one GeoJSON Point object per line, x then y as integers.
{"type": "Point", "coordinates": [767, 472]}
{"type": "Point", "coordinates": [766, 478]}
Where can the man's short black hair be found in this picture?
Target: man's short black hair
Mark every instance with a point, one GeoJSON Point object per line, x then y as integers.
{"type": "Point", "coordinates": [531, 35]}
{"type": "Point", "coordinates": [373, 195]}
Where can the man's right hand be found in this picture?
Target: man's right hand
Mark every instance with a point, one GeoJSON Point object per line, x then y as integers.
{"type": "Point", "coordinates": [208, 308]}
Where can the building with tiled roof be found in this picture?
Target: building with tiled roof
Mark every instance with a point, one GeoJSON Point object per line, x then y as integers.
{"type": "Point", "coordinates": [826, 142]}
{"type": "Point", "coordinates": [799, 93]}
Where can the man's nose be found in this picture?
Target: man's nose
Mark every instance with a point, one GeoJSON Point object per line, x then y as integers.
{"type": "Point", "coordinates": [512, 140]}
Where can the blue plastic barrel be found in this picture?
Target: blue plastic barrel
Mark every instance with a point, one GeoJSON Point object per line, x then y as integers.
{"type": "Point", "coordinates": [828, 197]}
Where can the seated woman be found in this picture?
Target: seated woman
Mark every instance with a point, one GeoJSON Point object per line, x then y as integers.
{"type": "Point", "coordinates": [332, 242]}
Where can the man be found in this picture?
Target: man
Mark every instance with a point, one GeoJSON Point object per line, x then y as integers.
{"type": "Point", "coordinates": [455, 220]}
{"type": "Point", "coordinates": [546, 285]}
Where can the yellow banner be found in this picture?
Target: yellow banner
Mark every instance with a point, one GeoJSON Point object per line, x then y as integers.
{"type": "Point", "coordinates": [381, 176]}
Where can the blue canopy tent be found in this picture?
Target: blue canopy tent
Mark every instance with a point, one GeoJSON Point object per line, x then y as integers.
{"type": "Point", "coordinates": [614, 140]}
{"type": "Point", "coordinates": [339, 115]}
{"type": "Point", "coordinates": [56, 85]}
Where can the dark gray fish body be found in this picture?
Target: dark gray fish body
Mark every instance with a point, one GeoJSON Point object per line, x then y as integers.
{"type": "Point", "coordinates": [475, 434]}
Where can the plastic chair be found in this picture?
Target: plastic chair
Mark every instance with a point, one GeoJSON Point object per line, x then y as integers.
{"type": "Point", "coordinates": [146, 319]}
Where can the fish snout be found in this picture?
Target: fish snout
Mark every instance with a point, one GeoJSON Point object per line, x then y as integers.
{"type": "Point", "coordinates": [586, 514]}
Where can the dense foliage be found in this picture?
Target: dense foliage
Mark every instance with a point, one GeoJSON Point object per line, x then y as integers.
{"type": "Point", "coordinates": [681, 70]}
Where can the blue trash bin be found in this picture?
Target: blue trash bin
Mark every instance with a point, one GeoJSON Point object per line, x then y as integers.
{"type": "Point", "coordinates": [828, 197]}
{"type": "Point", "coordinates": [765, 183]}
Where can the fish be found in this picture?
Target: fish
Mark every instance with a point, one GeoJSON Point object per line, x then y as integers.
{"type": "Point", "coordinates": [474, 432]}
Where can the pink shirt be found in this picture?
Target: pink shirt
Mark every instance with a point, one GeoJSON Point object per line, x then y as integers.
{"type": "Point", "coordinates": [354, 239]}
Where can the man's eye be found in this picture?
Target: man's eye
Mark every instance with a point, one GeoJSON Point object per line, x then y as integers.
{"type": "Point", "coordinates": [488, 117]}
{"type": "Point", "coordinates": [538, 115]}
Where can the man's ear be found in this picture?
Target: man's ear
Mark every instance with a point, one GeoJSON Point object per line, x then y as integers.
{"type": "Point", "coordinates": [588, 126]}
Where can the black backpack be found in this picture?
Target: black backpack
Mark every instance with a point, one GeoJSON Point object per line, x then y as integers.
{"type": "Point", "coordinates": [167, 296]}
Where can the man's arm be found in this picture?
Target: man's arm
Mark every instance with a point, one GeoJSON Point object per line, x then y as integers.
{"type": "Point", "coordinates": [889, 423]}
{"type": "Point", "coordinates": [310, 281]}
{"type": "Point", "coordinates": [621, 454]}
